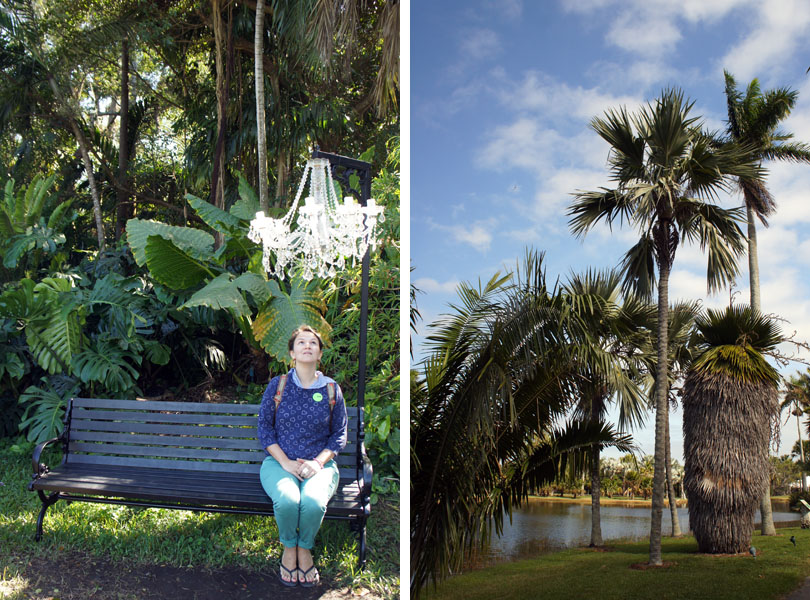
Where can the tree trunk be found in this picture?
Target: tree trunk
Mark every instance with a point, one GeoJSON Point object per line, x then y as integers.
{"type": "Point", "coordinates": [260, 112]}
{"type": "Point", "coordinates": [88, 165]}
{"type": "Point", "coordinates": [673, 504]}
{"type": "Point", "coordinates": [123, 210]}
{"type": "Point", "coordinates": [596, 484]}
{"type": "Point", "coordinates": [659, 475]}
{"type": "Point", "coordinates": [801, 451]}
{"type": "Point", "coordinates": [218, 171]}
{"type": "Point", "coordinates": [765, 510]}
{"type": "Point", "coordinates": [596, 491]}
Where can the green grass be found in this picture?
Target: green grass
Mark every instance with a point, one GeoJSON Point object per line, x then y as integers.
{"type": "Point", "coordinates": [584, 573]}
{"type": "Point", "coordinates": [178, 537]}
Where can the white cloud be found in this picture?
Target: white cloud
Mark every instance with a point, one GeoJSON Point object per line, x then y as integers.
{"type": "Point", "coordinates": [431, 286]}
{"type": "Point", "coordinates": [646, 33]}
{"type": "Point", "coordinates": [477, 234]}
{"type": "Point", "coordinates": [778, 27]}
{"type": "Point", "coordinates": [478, 44]}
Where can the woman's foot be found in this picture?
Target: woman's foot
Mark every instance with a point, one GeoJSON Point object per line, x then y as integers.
{"type": "Point", "coordinates": [307, 573]}
{"type": "Point", "coordinates": [288, 573]}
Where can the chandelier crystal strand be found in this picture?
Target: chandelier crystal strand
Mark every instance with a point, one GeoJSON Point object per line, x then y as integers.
{"type": "Point", "coordinates": [326, 232]}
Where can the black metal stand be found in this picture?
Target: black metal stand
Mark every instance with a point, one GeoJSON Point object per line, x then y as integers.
{"type": "Point", "coordinates": [343, 168]}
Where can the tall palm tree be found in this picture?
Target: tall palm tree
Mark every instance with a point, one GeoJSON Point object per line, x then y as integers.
{"type": "Point", "coordinates": [484, 413]}
{"type": "Point", "coordinates": [665, 168]}
{"type": "Point", "coordinates": [606, 362]}
{"type": "Point", "coordinates": [729, 392]}
{"type": "Point", "coordinates": [797, 399]}
{"type": "Point", "coordinates": [679, 329]}
{"type": "Point", "coordinates": [753, 119]}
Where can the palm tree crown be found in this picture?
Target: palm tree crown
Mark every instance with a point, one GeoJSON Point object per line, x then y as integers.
{"type": "Point", "coordinates": [753, 119]}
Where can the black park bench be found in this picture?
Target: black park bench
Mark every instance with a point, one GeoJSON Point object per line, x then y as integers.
{"type": "Point", "coordinates": [182, 455]}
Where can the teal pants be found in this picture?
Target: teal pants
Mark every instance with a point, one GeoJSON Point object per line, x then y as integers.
{"type": "Point", "coordinates": [299, 506]}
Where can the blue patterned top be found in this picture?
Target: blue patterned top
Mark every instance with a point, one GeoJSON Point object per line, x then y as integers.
{"type": "Point", "coordinates": [302, 426]}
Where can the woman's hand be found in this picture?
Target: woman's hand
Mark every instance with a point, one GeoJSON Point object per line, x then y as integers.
{"type": "Point", "coordinates": [292, 467]}
{"type": "Point", "coordinates": [308, 468]}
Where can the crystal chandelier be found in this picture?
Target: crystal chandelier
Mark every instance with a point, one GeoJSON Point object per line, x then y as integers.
{"type": "Point", "coordinates": [326, 234]}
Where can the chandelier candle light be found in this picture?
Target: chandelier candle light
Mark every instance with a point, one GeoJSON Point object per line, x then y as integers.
{"type": "Point", "coordinates": [326, 232]}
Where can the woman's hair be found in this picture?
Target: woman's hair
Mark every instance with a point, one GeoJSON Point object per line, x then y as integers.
{"type": "Point", "coordinates": [300, 330]}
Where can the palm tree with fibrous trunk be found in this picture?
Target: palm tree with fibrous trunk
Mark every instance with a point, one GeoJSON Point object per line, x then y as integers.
{"type": "Point", "coordinates": [667, 169]}
{"type": "Point", "coordinates": [753, 119]}
{"type": "Point", "coordinates": [729, 393]}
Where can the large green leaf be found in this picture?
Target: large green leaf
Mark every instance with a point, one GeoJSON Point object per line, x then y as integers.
{"type": "Point", "coordinates": [214, 217]}
{"type": "Point", "coordinates": [55, 345]}
{"type": "Point", "coordinates": [171, 265]}
{"type": "Point", "coordinates": [199, 244]}
{"type": "Point", "coordinates": [109, 366]}
{"type": "Point", "coordinates": [248, 204]}
{"type": "Point", "coordinates": [44, 415]}
{"type": "Point", "coordinates": [6, 226]}
{"type": "Point", "coordinates": [284, 313]}
{"type": "Point", "coordinates": [220, 293]}
{"type": "Point", "coordinates": [256, 286]}
{"type": "Point", "coordinates": [35, 197]}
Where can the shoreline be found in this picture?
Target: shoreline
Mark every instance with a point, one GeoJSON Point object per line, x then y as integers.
{"type": "Point", "coordinates": [781, 501]}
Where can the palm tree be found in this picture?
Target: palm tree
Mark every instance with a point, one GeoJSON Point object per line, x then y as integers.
{"type": "Point", "coordinates": [797, 398]}
{"type": "Point", "coordinates": [606, 362]}
{"type": "Point", "coordinates": [753, 120]}
{"type": "Point", "coordinates": [665, 167]}
{"type": "Point", "coordinates": [729, 392]}
{"type": "Point", "coordinates": [483, 417]}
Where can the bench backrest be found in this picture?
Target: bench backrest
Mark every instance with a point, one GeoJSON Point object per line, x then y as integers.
{"type": "Point", "coordinates": [197, 436]}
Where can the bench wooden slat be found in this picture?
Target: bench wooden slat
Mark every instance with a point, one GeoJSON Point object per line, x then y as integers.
{"type": "Point", "coordinates": [160, 417]}
{"type": "Point", "coordinates": [186, 407]}
{"type": "Point", "coordinates": [190, 465]}
{"type": "Point", "coordinates": [163, 429]}
{"type": "Point", "coordinates": [253, 455]}
{"type": "Point", "coordinates": [160, 405]}
{"type": "Point", "coordinates": [170, 429]}
{"type": "Point", "coordinates": [172, 440]}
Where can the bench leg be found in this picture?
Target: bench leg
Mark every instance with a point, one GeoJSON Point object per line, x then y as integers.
{"type": "Point", "coordinates": [360, 527]}
{"type": "Point", "coordinates": [46, 502]}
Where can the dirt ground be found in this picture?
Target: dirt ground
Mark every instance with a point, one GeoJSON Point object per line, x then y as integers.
{"type": "Point", "coordinates": [80, 577]}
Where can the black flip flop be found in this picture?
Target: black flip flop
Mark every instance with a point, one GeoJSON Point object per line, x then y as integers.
{"type": "Point", "coordinates": [290, 572]}
{"type": "Point", "coordinates": [304, 583]}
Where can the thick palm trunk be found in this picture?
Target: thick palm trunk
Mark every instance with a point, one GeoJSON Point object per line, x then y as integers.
{"type": "Point", "coordinates": [260, 108]}
{"type": "Point", "coordinates": [765, 509]}
{"type": "Point", "coordinates": [659, 475]}
{"type": "Point", "coordinates": [673, 504]}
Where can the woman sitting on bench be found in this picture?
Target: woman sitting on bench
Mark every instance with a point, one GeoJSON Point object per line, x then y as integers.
{"type": "Point", "coordinates": [302, 425]}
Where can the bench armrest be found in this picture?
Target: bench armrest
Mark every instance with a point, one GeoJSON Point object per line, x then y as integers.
{"type": "Point", "coordinates": [368, 475]}
{"type": "Point", "coordinates": [39, 468]}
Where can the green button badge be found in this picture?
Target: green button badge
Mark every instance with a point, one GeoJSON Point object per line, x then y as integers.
{"type": "Point", "coordinates": [317, 396]}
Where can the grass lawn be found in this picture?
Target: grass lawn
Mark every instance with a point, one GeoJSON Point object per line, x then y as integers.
{"type": "Point", "coordinates": [140, 540]}
{"type": "Point", "coordinates": [615, 574]}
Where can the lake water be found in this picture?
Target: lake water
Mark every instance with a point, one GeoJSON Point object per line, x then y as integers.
{"type": "Point", "coordinates": [541, 526]}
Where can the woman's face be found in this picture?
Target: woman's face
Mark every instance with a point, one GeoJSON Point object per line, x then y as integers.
{"type": "Point", "coordinates": [306, 348]}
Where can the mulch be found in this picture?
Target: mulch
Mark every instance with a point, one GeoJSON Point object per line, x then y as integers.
{"type": "Point", "coordinates": [76, 576]}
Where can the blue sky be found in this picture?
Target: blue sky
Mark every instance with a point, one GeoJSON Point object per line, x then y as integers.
{"type": "Point", "coordinates": [501, 93]}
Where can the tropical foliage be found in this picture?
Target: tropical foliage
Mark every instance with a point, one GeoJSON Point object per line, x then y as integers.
{"type": "Point", "coordinates": [128, 165]}
{"type": "Point", "coordinates": [488, 410]}
{"type": "Point", "coordinates": [666, 168]}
